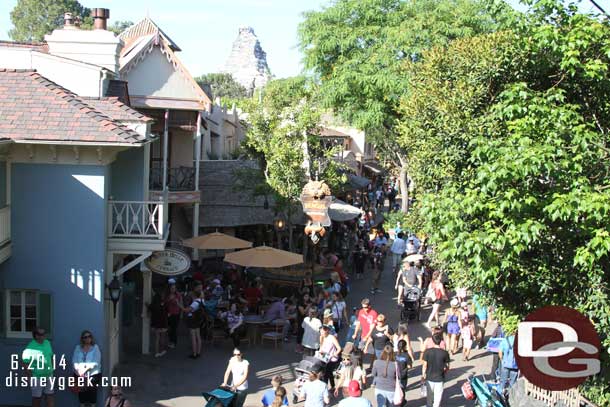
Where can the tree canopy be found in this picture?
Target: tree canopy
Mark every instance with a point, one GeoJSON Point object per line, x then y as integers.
{"type": "Point", "coordinates": [508, 135]}
{"type": "Point", "coordinates": [32, 19]}
{"type": "Point", "coordinates": [223, 85]}
{"type": "Point", "coordinates": [119, 26]}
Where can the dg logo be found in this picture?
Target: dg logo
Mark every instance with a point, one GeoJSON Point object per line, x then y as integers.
{"type": "Point", "coordinates": [557, 348]}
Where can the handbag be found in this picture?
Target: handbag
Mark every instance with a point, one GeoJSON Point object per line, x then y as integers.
{"type": "Point", "coordinates": [431, 294]}
{"type": "Point", "coordinates": [75, 388]}
{"type": "Point", "coordinates": [399, 395]}
{"type": "Point", "coordinates": [423, 390]}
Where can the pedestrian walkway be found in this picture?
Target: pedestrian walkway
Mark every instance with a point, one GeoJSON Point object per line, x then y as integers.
{"type": "Point", "coordinates": [176, 381]}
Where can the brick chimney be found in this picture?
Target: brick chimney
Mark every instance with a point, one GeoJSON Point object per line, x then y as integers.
{"type": "Point", "coordinates": [100, 18]}
{"type": "Point", "coordinates": [98, 47]}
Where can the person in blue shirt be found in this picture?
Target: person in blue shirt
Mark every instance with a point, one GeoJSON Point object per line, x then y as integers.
{"type": "Point", "coordinates": [352, 328]}
{"type": "Point", "coordinates": [480, 312]}
{"type": "Point", "coordinates": [269, 395]}
{"type": "Point", "coordinates": [508, 364]}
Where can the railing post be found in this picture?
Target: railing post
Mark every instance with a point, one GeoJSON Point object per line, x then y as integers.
{"type": "Point", "coordinates": [110, 230]}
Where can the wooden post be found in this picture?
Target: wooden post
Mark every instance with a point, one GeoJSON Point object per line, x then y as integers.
{"type": "Point", "coordinates": [165, 147]}
{"type": "Point", "coordinates": [146, 299]}
{"type": "Point", "coordinates": [197, 161]}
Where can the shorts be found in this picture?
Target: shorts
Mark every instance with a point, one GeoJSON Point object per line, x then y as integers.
{"type": "Point", "coordinates": [44, 387]}
{"type": "Point", "coordinates": [378, 353]}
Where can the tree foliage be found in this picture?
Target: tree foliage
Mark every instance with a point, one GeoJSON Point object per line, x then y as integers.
{"type": "Point", "coordinates": [32, 19]}
{"type": "Point", "coordinates": [509, 135]}
{"type": "Point", "coordinates": [119, 26]}
{"type": "Point", "coordinates": [223, 85]}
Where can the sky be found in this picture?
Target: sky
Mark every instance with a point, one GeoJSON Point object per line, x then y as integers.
{"type": "Point", "coordinates": [205, 29]}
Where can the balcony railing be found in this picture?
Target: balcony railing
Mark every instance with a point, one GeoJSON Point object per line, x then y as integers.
{"type": "Point", "coordinates": [5, 225]}
{"type": "Point", "coordinates": [137, 219]}
{"type": "Point", "coordinates": [179, 179]}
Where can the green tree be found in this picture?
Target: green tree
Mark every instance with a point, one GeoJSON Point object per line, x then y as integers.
{"type": "Point", "coordinates": [223, 85]}
{"type": "Point", "coordinates": [519, 209]}
{"type": "Point", "coordinates": [119, 26]}
{"type": "Point", "coordinates": [358, 48]}
{"type": "Point", "coordinates": [32, 19]}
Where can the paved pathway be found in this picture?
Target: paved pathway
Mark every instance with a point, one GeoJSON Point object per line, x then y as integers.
{"type": "Point", "coordinates": [176, 381]}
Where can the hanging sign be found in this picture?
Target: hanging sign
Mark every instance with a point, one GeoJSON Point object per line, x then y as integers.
{"type": "Point", "coordinates": [316, 199]}
{"type": "Point", "coordinates": [169, 262]}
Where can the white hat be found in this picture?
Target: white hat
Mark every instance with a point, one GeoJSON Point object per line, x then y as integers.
{"type": "Point", "coordinates": [216, 281]}
{"type": "Point", "coordinates": [171, 281]}
{"type": "Point", "coordinates": [454, 302]}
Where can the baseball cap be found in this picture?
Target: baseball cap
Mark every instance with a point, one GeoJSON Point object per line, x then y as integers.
{"type": "Point", "coordinates": [216, 281]}
{"type": "Point", "coordinates": [354, 389]}
{"type": "Point", "coordinates": [171, 281]}
{"type": "Point", "coordinates": [327, 313]}
{"type": "Point", "coordinates": [454, 302]}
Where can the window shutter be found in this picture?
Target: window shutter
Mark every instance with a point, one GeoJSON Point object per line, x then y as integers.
{"type": "Point", "coordinates": [45, 312]}
{"type": "Point", "coordinates": [3, 311]}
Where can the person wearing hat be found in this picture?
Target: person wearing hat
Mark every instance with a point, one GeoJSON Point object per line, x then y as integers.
{"type": "Point", "coordinates": [174, 309]}
{"type": "Point", "coordinates": [330, 349]}
{"type": "Point", "coordinates": [216, 290]}
{"type": "Point", "coordinates": [355, 398]}
{"type": "Point", "coordinates": [452, 321]}
{"type": "Point", "coordinates": [410, 247]}
{"type": "Point", "coordinates": [327, 320]}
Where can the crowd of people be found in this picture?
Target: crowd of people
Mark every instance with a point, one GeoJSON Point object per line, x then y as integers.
{"type": "Point", "coordinates": [317, 316]}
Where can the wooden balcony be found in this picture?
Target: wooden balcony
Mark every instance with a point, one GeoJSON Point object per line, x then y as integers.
{"type": "Point", "coordinates": [137, 225]}
{"type": "Point", "coordinates": [178, 179]}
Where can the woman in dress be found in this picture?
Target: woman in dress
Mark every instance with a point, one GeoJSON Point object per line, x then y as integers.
{"type": "Point", "coordinates": [384, 377]}
{"type": "Point", "coordinates": [330, 351]}
{"type": "Point", "coordinates": [238, 368]}
{"type": "Point", "coordinates": [402, 334]}
{"type": "Point", "coordinates": [338, 308]}
{"type": "Point", "coordinates": [452, 321]}
{"type": "Point", "coordinates": [87, 362]}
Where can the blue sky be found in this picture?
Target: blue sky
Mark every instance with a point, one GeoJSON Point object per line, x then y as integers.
{"type": "Point", "coordinates": [205, 29]}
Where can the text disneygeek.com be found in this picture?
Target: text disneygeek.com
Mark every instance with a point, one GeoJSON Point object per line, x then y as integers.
{"type": "Point", "coordinates": [16, 380]}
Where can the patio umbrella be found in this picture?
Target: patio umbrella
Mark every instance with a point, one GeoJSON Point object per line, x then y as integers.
{"type": "Point", "coordinates": [413, 258]}
{"type": "Point", "coordinates": [340, 211]}
{"type": "Point", "coordinates": [264, 256]}
{"type": "Point", "coordinates": [216, 241]}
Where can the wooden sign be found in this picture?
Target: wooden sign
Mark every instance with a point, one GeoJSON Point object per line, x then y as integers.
{"type": "Point", "coordinates": [169, 262]}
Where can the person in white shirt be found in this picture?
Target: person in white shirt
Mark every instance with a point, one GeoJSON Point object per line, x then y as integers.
{"type": "Point", "coordinates": [238, 367]}
{"type": "Point", "coordinates": [399, 246]}
{"type": "Point", "coordinates": [410, 246]}
{"type": "Point", "coordinates": [314, 391]}
{"type": "Point", "coordinates": [311, 334]}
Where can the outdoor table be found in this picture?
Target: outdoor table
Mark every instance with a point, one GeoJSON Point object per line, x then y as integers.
{"type": "Point", "coordinates": [254, 322]}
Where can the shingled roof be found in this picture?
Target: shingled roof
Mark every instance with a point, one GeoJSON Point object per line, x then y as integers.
{"type": "Point", "coordinates": [32, 108]}
{"type": "Point", "coordinates": [113, 107]}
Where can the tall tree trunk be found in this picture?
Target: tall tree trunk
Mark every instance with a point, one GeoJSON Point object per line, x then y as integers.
{"type": "Point", "coordinates": [404, 187]}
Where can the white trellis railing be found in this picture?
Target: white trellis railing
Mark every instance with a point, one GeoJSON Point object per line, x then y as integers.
{"type": "Point", "coordinates": [5, 225]}
{"type": "Point", "coordinates": [140, 219]}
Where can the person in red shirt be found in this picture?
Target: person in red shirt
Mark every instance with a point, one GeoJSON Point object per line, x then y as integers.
{"type": "Point", "coordinates": [365, 321]}
{"type": "Point", "coordinates": [253, 296]}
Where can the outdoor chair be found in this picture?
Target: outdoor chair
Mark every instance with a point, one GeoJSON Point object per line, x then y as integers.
{"type": "Point", "coordinates": [275, 336]}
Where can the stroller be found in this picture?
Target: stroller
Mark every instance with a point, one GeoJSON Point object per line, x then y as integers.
{"type": "Point", "coordinates": [221, 395]}
{"type": "Point", "coordinates": [307, 365]}
{"type": "Point", "coordinates": [487, 394]}
{"type": "Point", "coordinates": [411, 304]}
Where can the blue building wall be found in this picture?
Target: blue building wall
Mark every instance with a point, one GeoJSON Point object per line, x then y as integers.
{"type": "Point", "coordinates": [127, 176]}
{"type": "Point", "coordinates": [59, 245]}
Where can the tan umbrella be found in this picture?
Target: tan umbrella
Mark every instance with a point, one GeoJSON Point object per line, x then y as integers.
{"type": "Point", "coordinates": [217, 241]}
{"type": "Point", "coordinates": [264, 256]}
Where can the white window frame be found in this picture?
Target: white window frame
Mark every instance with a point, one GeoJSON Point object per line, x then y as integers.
{"type": "Point", "coordinates": [7, 316]}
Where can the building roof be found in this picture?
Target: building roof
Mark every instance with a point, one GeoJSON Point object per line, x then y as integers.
{"type": "Point", "coordinates": [146, 26]}
{"type": "Point", "coordinates": [37, 46]}
{"type": "Point", "coordinates": [224, 206]}
{"type": "Point", "coordinates": [32, 108]}
{"type": "Point", "coordinates": [113, 107]}
{"type": "Point", "coordinates": [328, 132]}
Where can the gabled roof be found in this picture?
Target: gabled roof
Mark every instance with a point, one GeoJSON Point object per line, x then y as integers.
{"type": "Point", "coordinates": [113, 107]}
{"type": "Point", "coordinates": [139, 48]}
{"type": "Point", "coordinates": [144, 27]}
{"type": "Point", "coordinates": [32, 108]}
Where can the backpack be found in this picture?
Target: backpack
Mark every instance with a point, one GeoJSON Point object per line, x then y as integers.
{"type": "Point", "coordinates": [508, 357]}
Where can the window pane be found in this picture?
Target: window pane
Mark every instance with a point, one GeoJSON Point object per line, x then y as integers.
{"type": "Point", "coordinates": [30, 297]}
{"type": "Point", "coordinates": [30, 324]}
{"type": "Point", "coordinates": [30, 311]}
{"type": "Point", "coordinates": [16, 324]}
{"type": "Point", "coordinates": [15, 298]}
{"type": "Point", "coordinates": [15, 311]}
